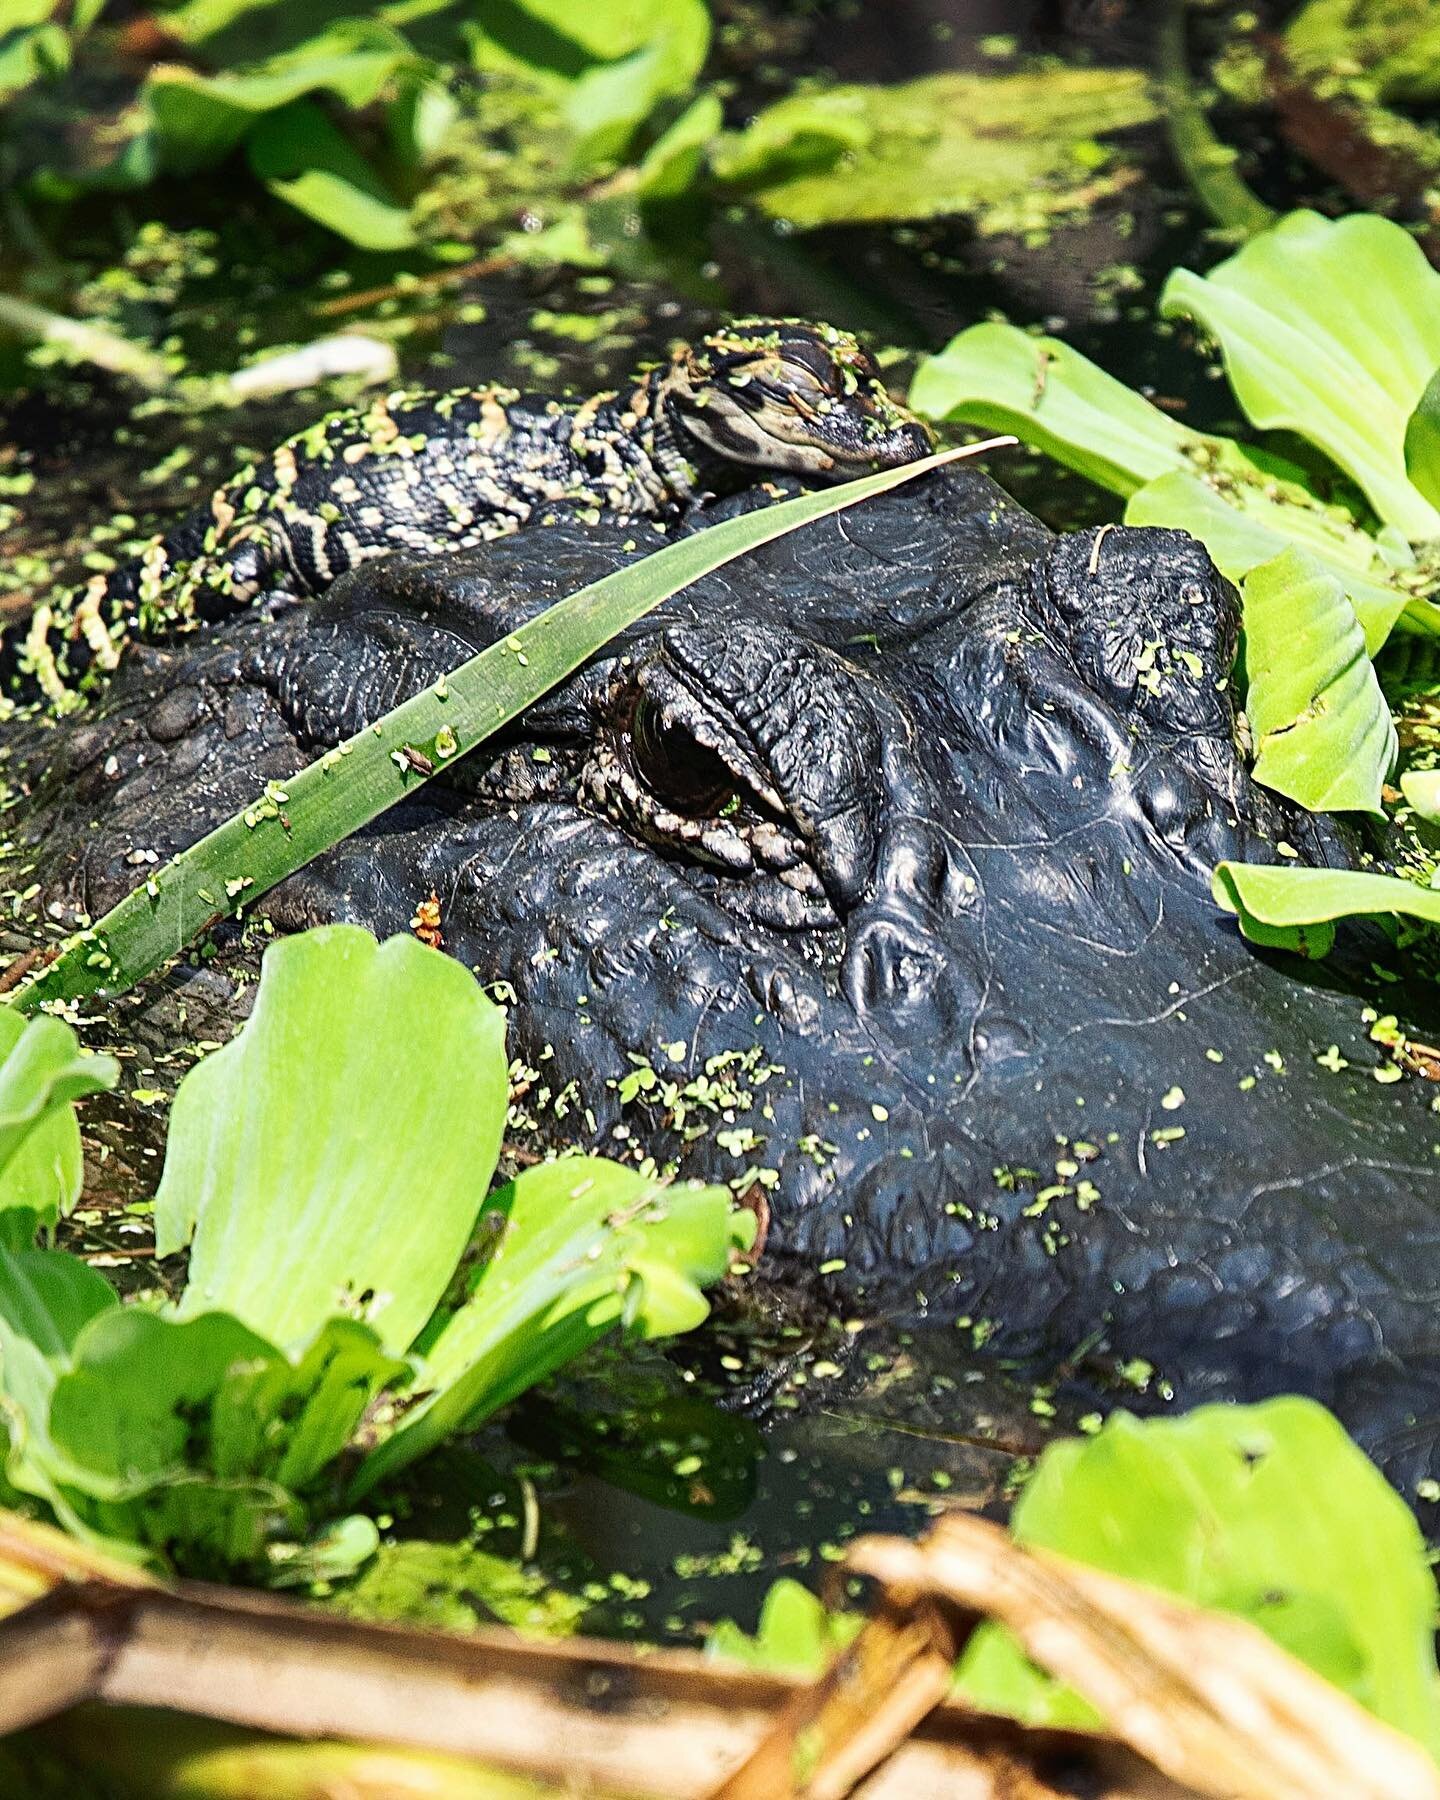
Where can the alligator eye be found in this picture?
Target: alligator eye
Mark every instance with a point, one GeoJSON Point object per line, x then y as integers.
{"type": "Point", "coordinates": [806, 360]}
{"type": "Point", "coordinates": [677, 769]}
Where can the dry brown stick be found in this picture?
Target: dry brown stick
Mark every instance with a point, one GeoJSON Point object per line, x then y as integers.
{"type": "Point", "coordinates": [601, 1717]}
{"type": "Point", "coordinates": [1203, 1696]}
{"type": "Point", "coordinates": [867, 1703]}
{"type": "Point", "coordinates": [38, 956]}
{"type": "Point", "coordinates": [475, 270]}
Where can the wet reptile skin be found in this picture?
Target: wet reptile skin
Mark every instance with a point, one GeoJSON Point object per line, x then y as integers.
{"type": "Point", "coordinates": [892, 843]}
{"type": "Point", "coordinates": [436, 472]}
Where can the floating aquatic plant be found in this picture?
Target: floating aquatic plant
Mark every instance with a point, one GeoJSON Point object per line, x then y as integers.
{"type": "Point", "coordinates": [327, 1168]}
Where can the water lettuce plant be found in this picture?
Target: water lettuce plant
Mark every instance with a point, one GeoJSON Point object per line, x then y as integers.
{"type": "Point", "coordinates": [1296, 908]}
{"type": "Point", "coordinates": [1015, 149]}
{"type": "Point", "coordinates": [1269, 1512]}
{"type": "Point", "coordinates": [1328, 329]}
{"type": "Point", "coordinates": [42, 1075]}
{"type": "Point", "coordinates": [1321, 730]}
{"type": "Point", "coordinates": [341, 1311]}
{"type": "Point", "coordinates": [1330, 332]}
{"type": "Point", "coordinates": [384, 124]}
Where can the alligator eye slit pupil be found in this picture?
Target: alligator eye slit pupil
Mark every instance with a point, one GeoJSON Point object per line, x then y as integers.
{"type": "Point", "coordinates": [683, 773]}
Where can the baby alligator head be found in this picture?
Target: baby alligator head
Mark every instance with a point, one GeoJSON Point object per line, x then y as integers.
{"type": "Point", "coordinates": [790, 395]}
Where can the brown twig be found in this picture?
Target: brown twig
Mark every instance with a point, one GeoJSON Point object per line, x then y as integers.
{"type": "Point", "coordinates": [600, 1718]}
{"type": "Point", "coordinates": [1203, 1696]}
{"type": "Point", "coordinates": [1334, 134]}
{"type": "Point", "coordinates": [494, 264]}
{"type": "Point", "coordinates": [38, 956]}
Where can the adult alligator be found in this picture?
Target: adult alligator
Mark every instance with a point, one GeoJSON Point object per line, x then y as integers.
{"type": "Point", "coordinates": [879, 861]}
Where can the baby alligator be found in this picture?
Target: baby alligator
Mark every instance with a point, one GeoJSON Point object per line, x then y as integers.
{"type": "Point", "coordinates": [432, 472]}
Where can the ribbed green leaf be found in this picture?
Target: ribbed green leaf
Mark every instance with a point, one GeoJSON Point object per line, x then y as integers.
{"type": "Point", "coordinates": [1330, 329]}
{"type": "Point", "coordinates": [333, 1156]}
{"type": "Point", "coordinates": [1058, 400]}
{"type": "Point", "coordinates": [1295, 908]}
{"type": "Point", "coordinates": [1322, 731]}
{"type": "Point", "coordinates": [42, 1074]}
{"type": "Point", "coordinates": [1421, 788]}
{"type": "Point", "coordinates": [1422, 442]}
{"type": "Point", "coordinates": [579, 1246]}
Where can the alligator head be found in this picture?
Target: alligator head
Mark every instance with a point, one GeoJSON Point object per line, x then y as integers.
{"type": "Point", "coordinates": [876, 868]}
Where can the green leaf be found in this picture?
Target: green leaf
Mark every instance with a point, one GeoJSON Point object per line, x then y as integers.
{"type": "Point", "coordinates": [1322, 731]}
{"type": "Point", "coordinates": [1330, 329]}
{"type": "Point", "coordinates": [1267, 1512]}
{"type": "Point", "coordinates": [1013, 150]}
{"type": "Point", "coordinates": [47, 1297]}
{"type": "Point", "coordinates": [608, 64]}
{"type": "Point", "coordinates": [1296, 907]}
{"type": "Point", "coordinates": [797, 1634]}
{"type": "Point", "coordinates": [42, 1074]}
{"type": "Point", "coordinates": [1051, 396]}
{"type": "Point", "coordinates": [1242, 505]}
{"type": "Point", "coordinates": [289, 1420]}
{"type": "Point", "coordinates": [354, 783]}
{"type": "Point", "coordinates": [577, 1247]}
{"type": "Point", "coordinates": [308, 162]}
{"type": "Point", "coordinates": [671, 166]}
{"type": "Point", "coordinates": [1244, 527]}
{"type": "Point", "coordinates": [1421, 788]}
{"type": "Point", "coordinates": [1422, 442]}
{"type": "Point", "coordinates": [132, 1427]}
{"type": "Point", "coordinates": [198, 118]}
{"type": "Point", "coordinates": [196, 1437]}
{"type": "Point", "coordinates": [346, 1137]}
{"type": "Point", "coordinates": [419, 121]}
{"type": "Point", "coordinates": [126, 1411]}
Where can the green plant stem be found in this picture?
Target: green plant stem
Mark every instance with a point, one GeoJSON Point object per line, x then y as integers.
{"type": "Point", "coordinates": [1207, 164]}
{"type": "Point", "coordinates": [296, 820]}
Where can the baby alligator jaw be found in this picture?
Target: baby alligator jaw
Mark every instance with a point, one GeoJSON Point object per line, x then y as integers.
{"type": "Point", "coordinates": [427, 473]}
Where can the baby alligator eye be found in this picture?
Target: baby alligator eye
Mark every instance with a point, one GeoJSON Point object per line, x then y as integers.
{"type": "Point", "coordinates": [677, 770]}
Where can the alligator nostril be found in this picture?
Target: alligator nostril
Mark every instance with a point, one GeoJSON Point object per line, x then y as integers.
{"type": "Point", "coordinates": [888, 964]}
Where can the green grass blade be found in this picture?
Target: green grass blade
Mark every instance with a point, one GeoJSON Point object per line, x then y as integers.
{"type": "Point", "coordinates": [295, 821]}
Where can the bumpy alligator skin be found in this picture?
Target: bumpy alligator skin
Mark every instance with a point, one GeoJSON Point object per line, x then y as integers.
{"type": "Point", "coordinates": [914, 811]}
{"type": "Point", "coordinates": [439, 472]}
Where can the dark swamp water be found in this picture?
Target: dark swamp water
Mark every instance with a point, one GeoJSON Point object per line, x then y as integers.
{"type": "Point", "coordinates": [647, 1493]}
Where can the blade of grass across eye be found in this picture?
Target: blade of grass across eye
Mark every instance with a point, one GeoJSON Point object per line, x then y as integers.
{"type": "Point", "coordinates": [296, 820]}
